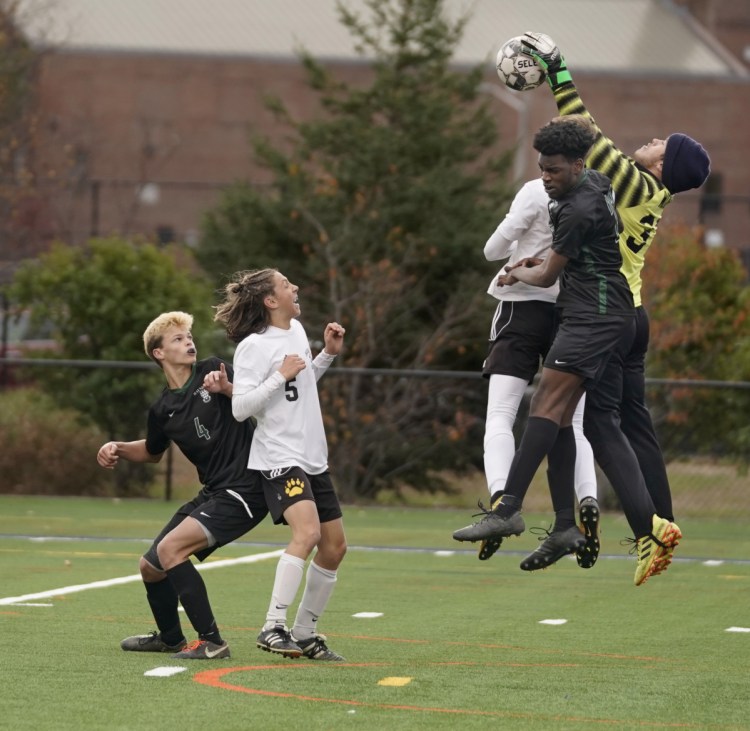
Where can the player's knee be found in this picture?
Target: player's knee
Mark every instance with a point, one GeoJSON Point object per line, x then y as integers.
{"type": "Point", "coordinates": [331, 553]}
{"type": "Point", "coordinates": [340, 551]}
{"type": "Point", "coordinates": [600, 427]}
{"type": "Point", "coordinates": [168, 555]}
{"type": "Point", "coordinates": [306, 537]}
{"type": "Point", "coordinates": [335, 550]}
{"type": "Point", "coordinates": [149, 572]}
{"type": "Point", "coordinates": [591, 431]}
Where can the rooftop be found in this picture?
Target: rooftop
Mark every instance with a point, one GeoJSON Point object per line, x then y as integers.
{"type": "Point", "coordinates": [619, 36]}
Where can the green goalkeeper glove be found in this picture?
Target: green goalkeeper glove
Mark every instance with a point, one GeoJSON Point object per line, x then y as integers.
{"type": "Point", "coordinates": [544, 51]}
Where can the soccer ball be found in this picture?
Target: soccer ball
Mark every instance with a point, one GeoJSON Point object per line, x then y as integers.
{"type": "Point", "coordinates": [516, 69]}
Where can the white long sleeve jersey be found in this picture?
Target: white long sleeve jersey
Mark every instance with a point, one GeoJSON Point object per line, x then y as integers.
{"type": "Point", "coordinates": [527, 226]}
{"type": "Point", "coordinates": [289, 429]}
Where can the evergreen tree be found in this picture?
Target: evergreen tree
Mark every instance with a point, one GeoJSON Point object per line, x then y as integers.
{"type": "Point", "coordinates": [378, 209]}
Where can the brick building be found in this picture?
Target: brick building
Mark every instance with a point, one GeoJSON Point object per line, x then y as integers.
{"type": "Point", "coordinates": [145, 105]}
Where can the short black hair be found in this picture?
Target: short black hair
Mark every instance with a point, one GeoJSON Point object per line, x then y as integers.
{"type": "Point", "coordinates": [564, 137]}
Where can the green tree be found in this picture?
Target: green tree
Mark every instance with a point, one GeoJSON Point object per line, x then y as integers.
{"type": "Point", "coordinates": [699, 305]}
{"type": "Point", "coordinates": [379, 209]}
{"type": "Point", "coordinates": [18, 194]}
{"type": "Point", "coordinates": [99, 299]}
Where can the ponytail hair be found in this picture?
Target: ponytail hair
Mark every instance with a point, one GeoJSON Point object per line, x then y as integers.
{"type": "Point", "coordinates": [243, 311]}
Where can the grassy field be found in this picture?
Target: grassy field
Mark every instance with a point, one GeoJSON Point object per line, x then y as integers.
{"type": "Point", "coordinates": [456, 643]}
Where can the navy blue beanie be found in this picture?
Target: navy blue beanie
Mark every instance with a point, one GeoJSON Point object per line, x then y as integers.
{"type": "Point", "coordinates": [686, 164]}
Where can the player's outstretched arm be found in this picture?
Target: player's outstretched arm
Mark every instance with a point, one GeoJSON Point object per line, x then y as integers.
{"type": "Point", "coordinates": [630, 185]}
{"type": "Point", "coordinates": [109, 454]}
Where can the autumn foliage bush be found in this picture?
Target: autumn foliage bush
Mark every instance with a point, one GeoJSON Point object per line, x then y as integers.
{"type": "Point", "coordinates": [698, 301]}
{"type": "Point", "coordinates": [47, 450]}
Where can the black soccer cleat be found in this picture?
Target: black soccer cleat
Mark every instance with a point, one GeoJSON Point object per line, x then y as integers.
{"type": "Point", "coordinates": [315, 648]}
{"type": "Point", "coordinates": [488, 548]}
{"type": "Point", "coordinates": [556, 545]}
{"type": "Point", "coordinates": [278, 640]}
{"type": "Point", "coordinates": [588, 514]}
{"type": "Point", "coordinates": [203, 650]}
{"type": "Point", "coordinates": [152, 642]}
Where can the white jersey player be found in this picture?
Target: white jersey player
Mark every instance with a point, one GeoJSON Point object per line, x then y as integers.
{"type": "Point", "coordinates": [275, 382]}
{"type": "Point", "coordinates": [521, 333]}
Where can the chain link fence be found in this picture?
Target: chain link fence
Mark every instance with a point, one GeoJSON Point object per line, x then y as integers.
{"type": "Point", "coordinates": [703, 427]}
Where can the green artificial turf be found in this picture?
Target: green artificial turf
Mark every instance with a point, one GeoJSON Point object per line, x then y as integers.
{"type": "Point", "coordinates": [459, 644]}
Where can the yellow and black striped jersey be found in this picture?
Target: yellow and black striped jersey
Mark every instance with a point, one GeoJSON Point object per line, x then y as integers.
{"type": "Point", "coordinates": [640, 198]}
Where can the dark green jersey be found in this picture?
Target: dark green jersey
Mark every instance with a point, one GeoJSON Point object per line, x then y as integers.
{"type": "Point", "coordinates": [202, 426]}
{"type": "Point", "coordinates": [640, 198]}
{"type": "Point", "coordinates": [584, 229]}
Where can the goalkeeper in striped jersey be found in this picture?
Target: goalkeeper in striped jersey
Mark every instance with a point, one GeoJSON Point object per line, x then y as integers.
{"type": "Point", "coordinates": [644, 184]}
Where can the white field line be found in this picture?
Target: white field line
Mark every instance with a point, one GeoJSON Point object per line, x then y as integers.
{"type": "Point", "coordinates": [135, 577]}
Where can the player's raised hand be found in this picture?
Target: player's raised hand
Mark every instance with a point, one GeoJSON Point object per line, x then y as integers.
{"type": "Point", "coordinates": [218, 381]}
{"type": "Point", "coordinates": [544, 51]}
{"type": "Point", "coordinates": [333, 338]}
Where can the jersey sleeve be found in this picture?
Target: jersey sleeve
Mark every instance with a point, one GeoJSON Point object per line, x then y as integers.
{"type": "Point", "coordinates": [632, 185]}
{"type": "Point", "coordinates": [321, 363]}
{"type": "Point", "coordinates": [251, 388]}
{"type": "Point", "coordinates": [157, 441]}
{"type": "Point", "coordinates": [523, 210]}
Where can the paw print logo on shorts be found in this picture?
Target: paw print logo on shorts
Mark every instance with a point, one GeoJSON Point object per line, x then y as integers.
{"type": "Point", "coordinates": [294, 487]}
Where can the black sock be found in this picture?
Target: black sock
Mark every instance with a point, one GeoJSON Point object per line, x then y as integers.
{"type": "Point", "coordinates": [616, 457]}
{"type": "Point", "coordinates": [495, 497]}
{"type": "Point", "coordinates": [561, 462]}
{"type": "Point", "coordinates": [191, 590]}
{"type": "Point", "coordinates": [537, 440]}
{"type": "Point", "coordinates": [564, 519]}
{"type": "Point", "coordinates": [162, 599]}
{"type": "Point", "coordinates": [508, 505]}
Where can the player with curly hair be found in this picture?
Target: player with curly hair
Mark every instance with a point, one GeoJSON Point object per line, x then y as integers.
{"type": "Point", "coordinates": [596, 313]}
{"type": "Point", "coordinates": [521, 332]}
{"type": "Point", "coordinates": [644, 184]}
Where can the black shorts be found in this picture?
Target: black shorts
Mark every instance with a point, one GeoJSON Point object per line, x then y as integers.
{"type": "Point", "coordinates": [225, 514]}
{"type": "Point", "coordinates": [523, 335]}
{"type": "Point", "coordinates": [584, 344]}
{"type": "Point", "coordinates": [622, 386]}
{"type": "Point", "coordinates": [287, 485]}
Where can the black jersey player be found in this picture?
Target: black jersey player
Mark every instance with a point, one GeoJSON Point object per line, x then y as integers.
{"type": "Point", "coordinates": [644, 185]}
{"type": "Point", "coordinates": [195, 412]}
{"type": "Point", "coordinates": [596, 309]}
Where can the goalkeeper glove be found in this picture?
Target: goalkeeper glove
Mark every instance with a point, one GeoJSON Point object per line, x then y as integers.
{"type": "Point", "coordinates": [544, 51]}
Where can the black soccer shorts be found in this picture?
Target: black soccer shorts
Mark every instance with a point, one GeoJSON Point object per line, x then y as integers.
{"type": "Point", "coordinates": [584, 344]}
{"type": "Point", "coordinates": [523, 335]}
{"type": "Point", "coordinates": [285, 486]}
{"type": "Point", "coordinates": [225, 514]}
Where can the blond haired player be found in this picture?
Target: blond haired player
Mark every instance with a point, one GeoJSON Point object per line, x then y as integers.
{"type": "Point", "coordinates": [195, 412]}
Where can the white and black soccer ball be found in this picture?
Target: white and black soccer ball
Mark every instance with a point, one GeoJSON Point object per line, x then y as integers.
{"type": "Point", "coordinates": [516, 69]}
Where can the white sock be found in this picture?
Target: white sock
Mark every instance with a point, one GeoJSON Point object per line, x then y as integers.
{"type": "Point", "coordinates": [289, 572]}
{"type": "Point", "coordinates": [585, 473]}
{"type": "Point", "coordinates": [503, 399]}
{"type": "Point", "coordinates": [318, 589]}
